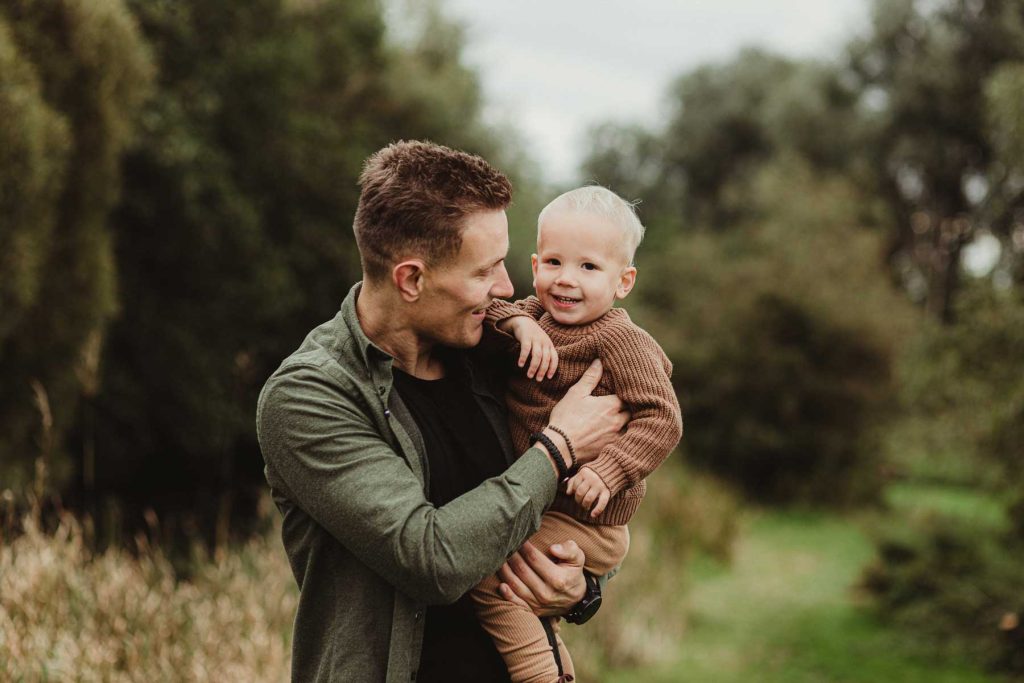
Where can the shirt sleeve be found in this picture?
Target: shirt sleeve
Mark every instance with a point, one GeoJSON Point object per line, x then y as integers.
{"type": "Point", "coordinates": [641, 376]}
{"type": "Point", "coordinates": [330, 458]}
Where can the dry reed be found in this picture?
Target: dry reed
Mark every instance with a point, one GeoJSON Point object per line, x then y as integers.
{"type": "Point", "coordinates": [67, 614]}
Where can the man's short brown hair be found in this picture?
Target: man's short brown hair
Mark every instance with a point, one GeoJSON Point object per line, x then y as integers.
{"type": "Point", "coordinates": [415, 199]}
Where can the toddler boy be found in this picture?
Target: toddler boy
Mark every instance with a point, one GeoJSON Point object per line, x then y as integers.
{"type": "Point", "coordinates": [586, 239]}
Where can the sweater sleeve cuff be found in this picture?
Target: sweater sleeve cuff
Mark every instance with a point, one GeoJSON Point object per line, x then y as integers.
{"type": "Point", "coordinates": [502, 310]}
{"type": "Point", "coordinates": [611, 473]}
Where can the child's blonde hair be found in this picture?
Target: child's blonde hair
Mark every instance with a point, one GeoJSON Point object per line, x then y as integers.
{"type": "Point", "coordinates": [602, 202]}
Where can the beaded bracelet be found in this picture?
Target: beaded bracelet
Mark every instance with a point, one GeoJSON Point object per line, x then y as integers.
{"type": "Point", "coordinates": [568, 443]}
{"type": "Point", "coordinates": [556, 455]}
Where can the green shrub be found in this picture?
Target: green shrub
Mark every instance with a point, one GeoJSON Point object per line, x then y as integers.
{"type": "Point", "coordinates": [644, 615]}
{"type": "Point", "coordinates": [782, 335]}
{"type": "Point", "coordinates": [958, 584]}
{"type": "Point", "coordinates": [963, 394]}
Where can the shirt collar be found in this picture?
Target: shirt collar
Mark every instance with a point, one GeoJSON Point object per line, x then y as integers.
{"type": "Point", "coordinates": [372, 356]}
{"type": "Point", "coordinates": [369, 353]}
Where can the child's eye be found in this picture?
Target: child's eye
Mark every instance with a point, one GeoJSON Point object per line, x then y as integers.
{"type": "Point", "coordinates": [589, 266]}
{"type": "Point", "coordinates": [553, 262]}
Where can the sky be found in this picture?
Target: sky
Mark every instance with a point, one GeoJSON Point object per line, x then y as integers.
{"type": "Point", "coordinates": [555, 68]}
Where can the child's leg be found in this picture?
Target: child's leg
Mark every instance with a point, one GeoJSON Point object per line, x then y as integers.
{"type": "Point", "coordinates": [527, 643]}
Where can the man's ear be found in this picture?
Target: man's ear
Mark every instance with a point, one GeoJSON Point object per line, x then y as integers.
{"type": "Point", "coordinates": [533, 264]}
{"type": "Point", "coordinates": [408, 278]}
{"type": "Point", "coordinates": [626, 282]}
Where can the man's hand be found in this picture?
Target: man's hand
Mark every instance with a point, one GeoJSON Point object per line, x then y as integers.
{"type": "Point", "coordinates": [534, 344]}
{"type": "Point", "coordinates": [592, 422]}
{"type": "Point", "coordinates": [548, 588]}
{"type": "Point", "coordinates": [589, 489]}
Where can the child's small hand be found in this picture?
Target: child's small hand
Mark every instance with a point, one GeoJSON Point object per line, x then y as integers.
{"type": "Point", "coordinates": [587, 487]}
{"type": "Point", "coordinates": [534, 344]}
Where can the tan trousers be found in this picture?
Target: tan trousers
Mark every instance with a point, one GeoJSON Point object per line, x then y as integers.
{"type": "Point", "coordinates": [519, 635]}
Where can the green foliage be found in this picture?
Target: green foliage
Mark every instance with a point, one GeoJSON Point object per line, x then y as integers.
{"type": "Point", "coordinates": [644, 617]}
{"type": "Point", "coordinates": [782, 334]}
{"type": "Point", "coordinates": [233, 235]}
{"type": "Point", "coordinates": [241, 128]}
{"type": "Point", "coordinates": [925, 67]}
{"type": "Point", "coordinates": [726, 122]}
{"type": "Point", "coordinates": [960, 382]}
{"type": "Point", "coordinates": [78, 74]}
{"type": "Point", "coordinates": [956, 583]}
{"type": "Point", "coordinates": [1004, 96]}
{"type": "Point", "coordinates": [33, 153]}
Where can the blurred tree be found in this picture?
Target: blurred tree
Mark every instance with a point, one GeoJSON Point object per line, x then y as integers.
{"type": "Point", "coordinates": [1004, 96]}
{"type": "Point", "coordinates": [962, 380]}
{"type": "Point", "coordinates": [923, 69]}
{"type": "Point", "coordinates": [233, 235]}
{"type": "Point", "coordinates": [726, 121]}
{"type": "Point", "coordinates": [782, 332]}
{"type": "Point", "coordinates": [74, 74]}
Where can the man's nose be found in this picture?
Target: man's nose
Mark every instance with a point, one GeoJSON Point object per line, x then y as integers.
{"type": "Point", "coordinates": [503, 285]}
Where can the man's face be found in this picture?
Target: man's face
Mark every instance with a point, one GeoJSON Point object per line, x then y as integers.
{"type": "Point", "coordinates": [456, 293]}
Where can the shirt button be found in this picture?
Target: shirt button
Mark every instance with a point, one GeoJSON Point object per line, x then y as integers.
{"type": "Point", "coordinates": [387, 413]}
{"type": "Point", "coordinates": [418, 615]}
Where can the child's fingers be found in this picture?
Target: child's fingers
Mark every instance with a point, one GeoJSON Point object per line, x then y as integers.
{"type": "Point", "coordinates": [582, 486]}
{"type": "Point", "coordinates": [554, 364]}
{"type": "Point", "coordinates": [570, 486]}
{"type": "Point", "coordinates": [542, 368]}
{"type": "Point", "coordinates": [602, 503]}
{"type": "Point", "coordinates": [591, 496]}
{"type": "Point", "coordinates": [524, 352]}
{"type": "Point", "coordinates": [536, 356]}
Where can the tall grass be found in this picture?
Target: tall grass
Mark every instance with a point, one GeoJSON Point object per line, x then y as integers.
{"type": "Point", "coordinates": [68, 614]}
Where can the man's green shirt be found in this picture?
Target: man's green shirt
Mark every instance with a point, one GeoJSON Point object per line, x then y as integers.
{"type": "Point", "coordinates": [346, 466]}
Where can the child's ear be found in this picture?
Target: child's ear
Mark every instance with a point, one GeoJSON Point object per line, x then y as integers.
{"type": "Point", "coordinates": [533, 264]}
{"type": "Point", "coordinates": [626, 282]}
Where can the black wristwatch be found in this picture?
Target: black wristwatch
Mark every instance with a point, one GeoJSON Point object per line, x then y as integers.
{"type": "Point", "coordinates": [583, 610]}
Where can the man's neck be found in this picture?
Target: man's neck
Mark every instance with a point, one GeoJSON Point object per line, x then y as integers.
{"type": "Point", "coordinates": [380, 316]}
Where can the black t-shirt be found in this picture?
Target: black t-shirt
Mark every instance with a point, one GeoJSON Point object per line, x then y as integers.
{"type": "Point", "coordinates": [462, 451]}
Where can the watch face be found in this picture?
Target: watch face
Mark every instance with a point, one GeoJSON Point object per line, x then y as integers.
{"type": "Point", "coordinates": [589, 609]}
{"type": "Point", "coordinates": [584, 609]}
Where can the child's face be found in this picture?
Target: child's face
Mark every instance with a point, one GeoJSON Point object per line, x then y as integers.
{"type": "Point", "coordinates": [581, 267]}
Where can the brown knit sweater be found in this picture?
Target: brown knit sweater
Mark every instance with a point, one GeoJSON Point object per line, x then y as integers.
{"type": "Point", "coordinates": [635, 369]}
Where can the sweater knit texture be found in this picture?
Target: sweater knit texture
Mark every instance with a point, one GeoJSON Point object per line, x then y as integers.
{"type": "Point", "coordinates": [636, 369]}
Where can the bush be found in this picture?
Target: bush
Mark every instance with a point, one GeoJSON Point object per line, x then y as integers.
{"type": "Point", "coordinates": [963, 394]}
{"type": "Point", "coordinates": [958, 584]}
{"type": "Point", "coordinates": [785, 406]}
{"type": "Point", "coordinates": [643, 617]}
{"type": "Point", "coordinates": [782, 335]}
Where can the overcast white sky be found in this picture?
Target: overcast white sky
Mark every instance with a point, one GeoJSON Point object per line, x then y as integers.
{"type": "Point", "coordinates": [553, 68]}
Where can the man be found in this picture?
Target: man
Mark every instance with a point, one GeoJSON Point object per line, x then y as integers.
{"type": "Point", "coordinates": [386, 445]}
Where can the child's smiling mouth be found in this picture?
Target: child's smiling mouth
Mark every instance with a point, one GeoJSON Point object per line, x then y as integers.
{"type": "Point", "coordinates": [565, 300]}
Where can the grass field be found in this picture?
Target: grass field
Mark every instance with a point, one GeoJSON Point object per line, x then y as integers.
{"type": "Point", "coordinates": [787, 608]}
{"type": "Point", "coordinates": [784, 609]}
